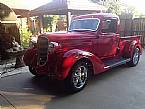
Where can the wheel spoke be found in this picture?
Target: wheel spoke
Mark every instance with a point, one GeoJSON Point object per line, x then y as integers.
{"type": "Point", "coordinates": [75, 75]}
{"type": "Point", "coordinates": [76, 81]}
{"type": "Point", "coordinates": [136, 56]}
{"type": "Point", "coordinates": [80, 77]}
{"type": "Point", "coordinates": [80, 81]}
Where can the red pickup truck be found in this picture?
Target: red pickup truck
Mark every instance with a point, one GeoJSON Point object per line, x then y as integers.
{"type": "Point", "coordinates": [91, 46]}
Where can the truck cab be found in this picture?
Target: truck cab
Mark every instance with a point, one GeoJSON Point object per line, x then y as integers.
{"type": "Point", "coordinates": [91, 46]}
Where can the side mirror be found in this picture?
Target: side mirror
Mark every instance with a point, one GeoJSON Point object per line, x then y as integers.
{"type": "Point", "coordinates": [105, 26]}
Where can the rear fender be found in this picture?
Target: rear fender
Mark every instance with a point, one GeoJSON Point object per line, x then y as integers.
{"type": "Point", "coordinates": [130, 46]}
{"type": "Point", "coordinates": [73, 56]}
{"type": "Point", "coordinates": [134, 45]}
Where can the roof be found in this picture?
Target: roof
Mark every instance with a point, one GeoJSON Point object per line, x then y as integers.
{"type": "Point", "coordinates": [21, 12]}
{"type": "Point", "coordinates": [97, 15]}
{"type": "Point", "coordinates": [24, 4]}
{"type": "Point", "coordinates": [60, 7]}
{"type": "Point", "coordinates": [7, 15]}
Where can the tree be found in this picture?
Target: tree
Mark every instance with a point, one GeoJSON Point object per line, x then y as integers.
{"type": "Point", "coordinates": [95, 1]}
{"type": "Point", "coordinates": [113, 6]}
{"type": "Point", "coordinates": [48, 23]}
{"type": "Point", "coordinates": [4, 11]}
{"type": "Point", "coordinates": [117, 7]}
{"type": "Point", "coordinates": [128, 10]}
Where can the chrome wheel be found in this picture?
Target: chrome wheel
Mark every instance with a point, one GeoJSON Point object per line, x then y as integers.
{"type": "Point", "coordinates": [79, 77]}
{"type": "Point", "coordinates": [136, 56]}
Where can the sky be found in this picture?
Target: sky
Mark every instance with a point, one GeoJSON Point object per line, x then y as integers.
{"type": "Point", "coordinates": [25, 4]}
{"type": "Point", "coordinates": [138, 4]}
{"type": "Point", "coordinates": [32, 4]}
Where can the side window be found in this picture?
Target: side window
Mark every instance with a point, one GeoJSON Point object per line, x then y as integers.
{"type": "Point", "coordinates": [109, 26]}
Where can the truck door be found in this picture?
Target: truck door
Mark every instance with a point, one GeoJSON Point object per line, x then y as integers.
{"type": "Point", "coordinates": [107, 43]}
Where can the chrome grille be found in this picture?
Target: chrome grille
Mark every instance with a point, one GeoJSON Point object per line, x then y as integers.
{"type": "Point", "coordinates": [42, 50]}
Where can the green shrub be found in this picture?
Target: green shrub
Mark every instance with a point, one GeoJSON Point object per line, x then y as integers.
{"type": "Point", "coordinates": [25, 38]}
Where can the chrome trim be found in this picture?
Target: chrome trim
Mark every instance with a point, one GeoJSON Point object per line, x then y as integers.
{"type": "Point", "coordinates": [79, 77]}
{"type": "Point", "coordinates": [117, 64]}
{"type": "Point", "coordinates": [42, 54]}
{"type": "Point", "coordinates": [86, 29]}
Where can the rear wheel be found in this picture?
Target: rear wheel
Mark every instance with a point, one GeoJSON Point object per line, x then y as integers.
{"type": "Point", "coordinates": [78, 77]}
{"type": "Point", "coordinates": [135, 58]}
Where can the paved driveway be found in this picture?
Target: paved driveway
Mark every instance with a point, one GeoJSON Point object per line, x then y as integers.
{"type": "Point", "coordinates": [119, 88]}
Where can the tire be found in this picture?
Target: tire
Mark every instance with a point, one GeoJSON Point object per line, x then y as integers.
{"type": "Point", "coordinates": [78, 77]}
{"type": "Point", "coordinates": [32, 70]}
{"type": "Point", "coordinates": [135, 58]}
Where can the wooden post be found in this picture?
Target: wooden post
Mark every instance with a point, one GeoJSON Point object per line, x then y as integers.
{"type": "Point", "coordinates": [68, 16]}
{"type": "Point", "coordinates": [41, 23]}
{"type": "Point", "coordinates": [19, 62]}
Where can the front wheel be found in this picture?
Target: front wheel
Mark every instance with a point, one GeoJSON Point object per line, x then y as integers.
{"type": "Point", "coordinates": [78, 77]}
{"type": "Point", "coordinates": [33, 71]}
{"type": "Point", "coordinates": [135, 58]}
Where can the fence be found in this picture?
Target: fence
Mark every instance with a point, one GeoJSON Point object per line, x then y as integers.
{"type": "Point", "coordinates": [139, 28]}
{"type": "Point", "coordinates": [134, 26]}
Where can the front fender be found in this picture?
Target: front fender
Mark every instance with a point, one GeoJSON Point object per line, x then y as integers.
{"type": "Point", "coordinates": [72, 56]}
{"type": "Point", "coordinates": [29, 55]}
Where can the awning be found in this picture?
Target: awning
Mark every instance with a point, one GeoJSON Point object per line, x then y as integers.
{"type": "Point", "coordinates": [7, 15]}
{"type": "Point", "coordinates": [61, 7]}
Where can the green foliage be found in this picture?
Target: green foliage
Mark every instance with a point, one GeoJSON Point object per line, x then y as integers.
{"type": "Point", "coordinates": [130, 10]}
{"type": "Point", "coordinates": [4, 11]}
{"type": "Point", "coordinates": [25, 38]}
{"type": "Point", "coordinates": [114, 6]}
{"type": "Point", "coordinates": [49, 21]}
{"type": "Point", "coordinates": [95, 1]}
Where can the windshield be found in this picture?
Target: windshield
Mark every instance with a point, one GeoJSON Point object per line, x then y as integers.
{"type": "Point", "coordinates": [84, 24]}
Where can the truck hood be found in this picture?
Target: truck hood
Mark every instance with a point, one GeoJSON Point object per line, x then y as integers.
{"type": "Point", "coordinates": [65, 36]}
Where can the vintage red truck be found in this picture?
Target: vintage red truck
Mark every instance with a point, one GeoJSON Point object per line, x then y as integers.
{"type": "Point", "coordinates": [91, 46]}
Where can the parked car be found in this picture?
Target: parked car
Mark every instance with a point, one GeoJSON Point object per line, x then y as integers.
{"type": "Point", "coordinates": [91, 46]}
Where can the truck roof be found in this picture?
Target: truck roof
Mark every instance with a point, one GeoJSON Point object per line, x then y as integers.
{"type": "Point", "coordinates": [97, 15]}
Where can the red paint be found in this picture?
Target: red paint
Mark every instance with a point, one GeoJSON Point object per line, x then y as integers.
{"type": "Point", "coordinates": [73, 46]}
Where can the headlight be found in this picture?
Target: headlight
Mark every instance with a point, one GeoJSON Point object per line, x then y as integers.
{"type": "Point", "coordinates": [52, 46]}
{"type": "Point", "coordinates": [34, 40]}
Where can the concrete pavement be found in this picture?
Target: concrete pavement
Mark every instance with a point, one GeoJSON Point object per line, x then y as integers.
{"type": "Point", "coordinates": [119, 88]}
{"type": "Point", "coordinates": [5, 103]}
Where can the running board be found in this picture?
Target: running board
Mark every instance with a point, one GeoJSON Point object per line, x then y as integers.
{"type": "Point", "coordinates": [116, 62]}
